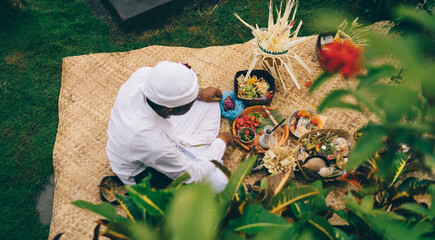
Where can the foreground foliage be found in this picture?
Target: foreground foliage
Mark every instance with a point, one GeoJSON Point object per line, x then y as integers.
{"type": "Point", "coordinates": [194, 212]}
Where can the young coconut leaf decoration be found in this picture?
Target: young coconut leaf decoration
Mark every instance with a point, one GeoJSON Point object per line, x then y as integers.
{"type": "Point", "coordinates": [272, 45]}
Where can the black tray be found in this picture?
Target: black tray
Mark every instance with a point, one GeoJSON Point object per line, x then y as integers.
{"type": "Point", "coordinates": [259, 73]}
{"type": "Point", "coordinates": [319, 44]}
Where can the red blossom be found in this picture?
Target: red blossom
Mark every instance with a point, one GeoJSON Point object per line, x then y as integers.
{"type": "Point", "coordinates": [342, 56]}
{"type": "Point", "coordinates": [308, 84]}
{"type": "Point", "coordinates": [315, 121]}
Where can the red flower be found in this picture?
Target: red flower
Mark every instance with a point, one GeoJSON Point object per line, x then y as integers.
{"type": "Point", "coordinates": [308, 84]}
{"type": "Point", "coordinates": [315, 121]}
{"type": "Point", "coordinates": [342, 56]}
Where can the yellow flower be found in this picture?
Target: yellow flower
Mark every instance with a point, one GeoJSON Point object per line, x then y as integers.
{"type": "Point", "coordinates": [252, 80]}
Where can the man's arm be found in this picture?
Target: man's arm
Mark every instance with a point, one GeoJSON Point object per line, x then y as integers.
{"type": "Point", "coordinates": [210, 94]}
{"type": "Point", "coordinates": [163, 155]}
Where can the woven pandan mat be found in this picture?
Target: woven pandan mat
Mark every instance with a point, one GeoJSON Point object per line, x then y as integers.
{"type": "Point", "coordinates": [89, 87]}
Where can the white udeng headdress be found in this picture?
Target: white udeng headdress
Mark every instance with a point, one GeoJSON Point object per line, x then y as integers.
{"type": "Point", "coordinates": [171, 85]}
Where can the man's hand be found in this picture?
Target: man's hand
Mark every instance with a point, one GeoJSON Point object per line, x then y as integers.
{"type": "Point", "coordinates": [227, 137]}
{"type": "Point", "coordinates": [210, 94]}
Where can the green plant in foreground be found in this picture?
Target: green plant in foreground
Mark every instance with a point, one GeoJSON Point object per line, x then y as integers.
{"type": "Point", "coordinates": [192, 211]}
{"type": "Point", "coordinates": [380, 208]}
{"type": "Point", "coordinates": [401, 98]}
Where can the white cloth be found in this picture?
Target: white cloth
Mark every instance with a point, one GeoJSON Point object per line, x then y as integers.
{"type": "Point", "coordinates": [138, 137]}
{"type": "Point", "coordinates": [171, 85]}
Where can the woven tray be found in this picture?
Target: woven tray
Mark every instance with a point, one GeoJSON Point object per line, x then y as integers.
{"type": "Point", "coordinates": [89, 87]}
{"type": "Point", "coordinates": [310, 176]}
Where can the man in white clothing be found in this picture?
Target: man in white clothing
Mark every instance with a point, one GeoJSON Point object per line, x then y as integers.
{"type": "Point", "coordinates": [157, 126]}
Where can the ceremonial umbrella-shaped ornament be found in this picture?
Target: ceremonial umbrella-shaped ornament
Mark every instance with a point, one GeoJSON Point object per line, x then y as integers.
{"type": "Point", "coordinates": [273, 45]}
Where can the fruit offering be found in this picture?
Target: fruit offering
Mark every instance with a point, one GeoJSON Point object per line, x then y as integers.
{"type": "Point", "coordinates": [228, 104]}
{"type": "Point", "coordinates": [248, 120]}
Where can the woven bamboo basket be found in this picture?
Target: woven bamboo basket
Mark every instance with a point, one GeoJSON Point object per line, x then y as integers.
{"type": "Point", "coordinates": [309, 175]}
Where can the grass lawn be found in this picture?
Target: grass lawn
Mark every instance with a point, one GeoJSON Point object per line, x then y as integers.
{"type": "Point", "coordinates": [33, 43]}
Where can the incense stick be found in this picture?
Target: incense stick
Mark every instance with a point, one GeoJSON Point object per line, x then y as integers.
{"type": "Point", "coordinates": [277, 125]}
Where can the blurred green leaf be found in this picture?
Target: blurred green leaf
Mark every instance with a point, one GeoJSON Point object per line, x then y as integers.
{"type": "Point", "coordinates": [397, 101]}
{"type": "Point", "coordinates": [194, 213]}
{"type": "Point", "coordinates": [129, 230]}
{"type": "Point", "coordinates": [153, 201]}
{"type": "Point", "coordinates": [370, 104]}
{"type": "Point", "coordinates": [340, 235]}
{"type": "Point", "coordinates": [318, 203]}
{"type": "Point", "coordinates": [406, 50]}
{"type": "Point", "coordinates": [290, 195]}
{"type": "Point", "coordinates": [277, 234]}
{"type": "Point", "coordinates": [224, 169]}
{"type": "Point", "coordinates": [334, 99]}
{"type": "Point", "coordinates": [386, 224]}
{"type": "Point", "coordinates": [322, 225]}
{"type": "Point", "coordinates": [141, 231]}
{"type": "Point", "coordinates": [421, 17]}
{"type": "Point", "coordinates": [256, 219]}
{"type": "Point", "coordinates": [319, 81]}
{"type": "Point", "coordinates": [104, 209]}
{"type": "Point", "coordinates": [236, 180]}
{"type": "Point", "coordinates": [299, 209]}
{"type": "Point", "coordinates": [134, 213]}
{"type": "Point", "coordinates": [179, 181]}
{"type": "Point", "coordinates": [366, 147]}
{"type": "Point", "coordinates": [230, 235]}
{"type": "Point", "coordinates": [374, 74]}
{"type": "Point", "coordinates": [432, 197]}
{"type": "Point", "coordinates": [416, 208]}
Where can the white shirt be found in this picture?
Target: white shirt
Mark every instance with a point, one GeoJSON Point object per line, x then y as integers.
{"type": "Point", "coordinates": [138, 137]}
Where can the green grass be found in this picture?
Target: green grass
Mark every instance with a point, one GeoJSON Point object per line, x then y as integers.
{"type": "Point", "coordinates": [33, 43]}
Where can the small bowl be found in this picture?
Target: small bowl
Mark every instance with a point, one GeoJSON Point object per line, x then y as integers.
{"type": "Point", "coordinates": [259, 73]}
{"type": "Point", "coordinates": [291, 118]}
{"type": "Point", "coordinates": [241, 132]}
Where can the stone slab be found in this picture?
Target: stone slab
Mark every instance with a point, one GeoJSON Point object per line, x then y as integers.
{"type": "Point", "coordinates": [134, 14]}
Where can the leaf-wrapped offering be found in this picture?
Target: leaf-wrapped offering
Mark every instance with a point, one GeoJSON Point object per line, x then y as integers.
{"type": "Point", "coordinates": [279, 157]}
{"type": "Point", "coordinates": [323, 154]}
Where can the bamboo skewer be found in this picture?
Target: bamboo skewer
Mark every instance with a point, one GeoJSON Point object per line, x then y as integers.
{"type": "Point", "coordinates": [270, 115]}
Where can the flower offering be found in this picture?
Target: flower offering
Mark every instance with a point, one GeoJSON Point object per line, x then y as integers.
{"type": "Point", "coordinates": [253, 88]}
{"type": "Point", "coordinates": [324, 152]}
